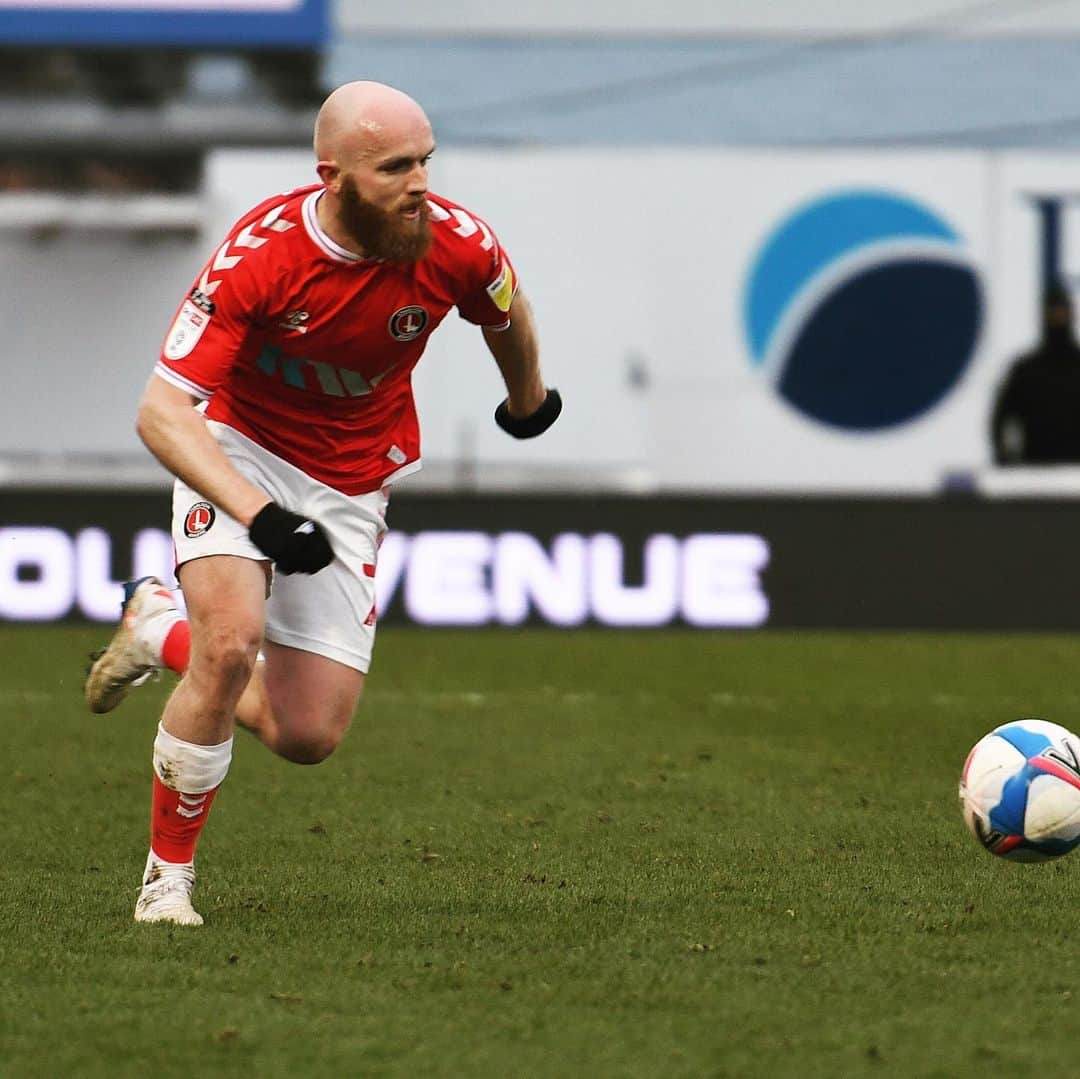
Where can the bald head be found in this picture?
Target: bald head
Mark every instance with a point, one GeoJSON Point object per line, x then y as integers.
{"type": "Point", "coordinates": [373, 145]}
{"type": "Point", "coordinates": [364, 118]}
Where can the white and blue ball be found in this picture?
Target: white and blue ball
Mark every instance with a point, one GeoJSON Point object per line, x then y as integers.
{"type": "Point", "coordinates": [1020, 791]}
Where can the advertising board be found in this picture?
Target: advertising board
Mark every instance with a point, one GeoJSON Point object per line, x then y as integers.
{"type": "Point", "coordinates": [624, 563]}
{"type": "Point", "coordinates": [807, 323]}
{"type": "Point", "coordinates": [829, 322]}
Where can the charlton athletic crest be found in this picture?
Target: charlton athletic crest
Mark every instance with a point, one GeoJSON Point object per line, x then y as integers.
{"type": "Point", "coordinates": [407, 323]}
{"type": "Point", "coordinates": [199, 519]}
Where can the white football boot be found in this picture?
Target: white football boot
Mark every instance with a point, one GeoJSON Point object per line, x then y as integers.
{"type": "Point", "coordinates": [127, 661]}
{"type": "Point", "coordinates": [166, 893]}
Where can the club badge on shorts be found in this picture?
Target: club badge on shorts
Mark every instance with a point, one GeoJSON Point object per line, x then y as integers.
{"type": "Point", "coordinates": [407, 323]}
{"type": "Point", "coordinates": [199, 519]}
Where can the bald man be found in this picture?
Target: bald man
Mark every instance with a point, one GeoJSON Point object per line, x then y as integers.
{"type": "Point", "coordinates": [297, 342]}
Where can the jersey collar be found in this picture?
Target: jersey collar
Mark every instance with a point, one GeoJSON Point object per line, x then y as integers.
{"type": "Point", "coordinates": [329, 247]}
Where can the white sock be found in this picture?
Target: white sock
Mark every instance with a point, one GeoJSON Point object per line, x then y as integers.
{"type": "Point", "coordinates": [152, 630]}
{"type": "Point", "coordinates": [193, 769]}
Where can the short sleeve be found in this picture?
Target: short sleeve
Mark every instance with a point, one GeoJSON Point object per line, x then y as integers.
{"type": "Point", "coordinates": [492, 290]}
{"type": "Point", "coordinates": [208, 332]}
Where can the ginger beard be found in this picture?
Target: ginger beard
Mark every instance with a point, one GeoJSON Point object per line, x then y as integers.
{"type": "Point", "coordinates": [384, 234]}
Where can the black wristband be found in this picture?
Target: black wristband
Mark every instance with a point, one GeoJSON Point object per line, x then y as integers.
{"type": "Point", "coordinates": [536, 423]}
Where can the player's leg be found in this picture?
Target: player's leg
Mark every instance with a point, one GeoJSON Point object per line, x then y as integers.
{"type": "Point", "coordinates": [299, 725]}
{"type": "Point", "coordinates": [320, 633]}
{"type": "Point", "coordinates": [225, 598]}
{"type": "Point", "coordinates": [193, 748]}
{"type": "Point", "coordinates": [153, 635]}
{"type": "Point", "coordinates": [300, 704]}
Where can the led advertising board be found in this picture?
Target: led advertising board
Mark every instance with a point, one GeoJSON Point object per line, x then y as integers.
{"type": "Point", "coordinates": [562, 562]}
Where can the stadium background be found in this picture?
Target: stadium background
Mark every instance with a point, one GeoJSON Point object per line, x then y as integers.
{"type": "Point", "coordinates": [672, 188]}
{"type": "Point", "coordinates": [781, 255]}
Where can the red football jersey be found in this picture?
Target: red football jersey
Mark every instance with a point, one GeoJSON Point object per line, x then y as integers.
{"type": "Point", "coordinates": [308, 349]}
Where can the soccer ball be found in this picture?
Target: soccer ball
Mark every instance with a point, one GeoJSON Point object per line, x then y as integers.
{"type": "Point", "coordinates": [1020, 791]}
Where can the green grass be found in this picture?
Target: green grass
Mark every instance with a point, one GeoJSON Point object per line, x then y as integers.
{"type": "Point", "coordinates": [542, 854]}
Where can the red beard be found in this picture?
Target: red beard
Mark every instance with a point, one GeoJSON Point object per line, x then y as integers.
{"type": "Point", "coordinates": [383, 235]}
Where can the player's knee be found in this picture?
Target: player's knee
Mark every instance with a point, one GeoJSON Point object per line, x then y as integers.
{"type": "Point", "coordinates": [311, 738]}
{"type": "Point", "coordinates": [313, 750]}
{"type": "Point", "coordinates": [227, 655]}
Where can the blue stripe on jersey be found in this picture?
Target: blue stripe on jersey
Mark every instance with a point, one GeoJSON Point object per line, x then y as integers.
{"type": "Point", "coordinates": [292, 371]}
{"type": "Point", "coordinates": [267, 361]}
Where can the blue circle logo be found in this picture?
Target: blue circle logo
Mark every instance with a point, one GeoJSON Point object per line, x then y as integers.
{"type": "Point", "coordinates": [863, 310]}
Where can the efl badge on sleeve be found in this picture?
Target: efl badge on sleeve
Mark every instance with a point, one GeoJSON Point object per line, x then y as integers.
{"type": "Point", "coordinates": [189, 326]}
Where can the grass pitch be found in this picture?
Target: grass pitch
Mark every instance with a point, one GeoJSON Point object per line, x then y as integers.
{"type": "Point", "coordinates": [543, 854]}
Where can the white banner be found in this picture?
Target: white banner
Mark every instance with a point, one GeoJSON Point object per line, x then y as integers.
{"type": "Point", "coordinates": [746, 321]}
{"type": "Point", "coordinates": [716, 320]}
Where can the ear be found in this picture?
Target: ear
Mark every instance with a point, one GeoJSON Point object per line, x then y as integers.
{"type": "Point", "coordinates": [330, 174]}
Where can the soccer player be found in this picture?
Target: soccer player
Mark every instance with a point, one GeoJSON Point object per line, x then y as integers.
{"type": "Point", "coordinates": [282, 404]}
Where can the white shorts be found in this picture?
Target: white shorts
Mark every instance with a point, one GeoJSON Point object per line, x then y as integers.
{"type": "Point", "coordinates": [330, 613]}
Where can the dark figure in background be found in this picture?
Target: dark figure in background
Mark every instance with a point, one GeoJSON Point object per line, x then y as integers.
{"type": "Point", "coordinates": [1036, 416]}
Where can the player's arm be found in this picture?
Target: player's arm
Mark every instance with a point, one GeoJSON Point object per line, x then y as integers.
{"type": "Point", "coordinates": [177, 435]}
{"type": "Point", "coordinates": [199, 351]}
{"type": "Point", "coordinates": [517, 354]}
{"type": "Point", "coordinates": [530, 408]}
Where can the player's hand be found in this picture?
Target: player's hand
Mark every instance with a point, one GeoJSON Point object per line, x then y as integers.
{"type": "Point", "coordinates": [293, 543]}
{"type": "Point", "coordinates": [536, 423]}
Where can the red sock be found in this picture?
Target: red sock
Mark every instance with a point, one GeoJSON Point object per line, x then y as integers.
{"type": "Point", "coordinates": [176, 821]}
{"type": "Point", "coordinates": [176, 648]}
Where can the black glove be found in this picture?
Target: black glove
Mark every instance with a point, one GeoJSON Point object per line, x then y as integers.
{"type": "Point", "coordinates": [534, 424]}
{"type": "Point", "coordinates": [293, 543]}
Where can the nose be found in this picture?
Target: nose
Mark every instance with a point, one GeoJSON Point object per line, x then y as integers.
{"type": "Point", "coordinates": [418, 179]}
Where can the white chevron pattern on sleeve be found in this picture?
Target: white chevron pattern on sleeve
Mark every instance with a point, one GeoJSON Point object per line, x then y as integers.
{"type": "Point", "coordinates": [226, 257]}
